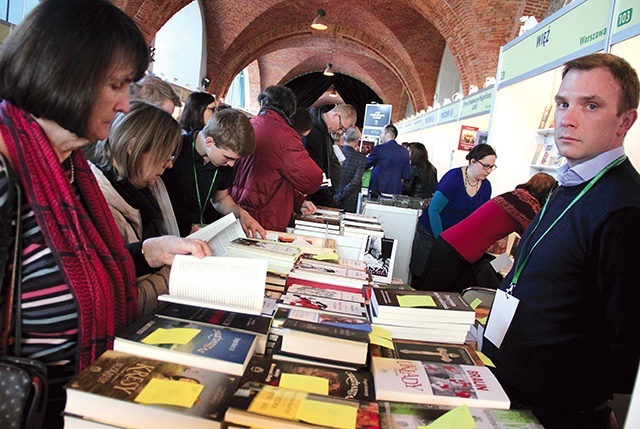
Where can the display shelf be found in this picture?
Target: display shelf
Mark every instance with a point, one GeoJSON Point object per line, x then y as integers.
{"type": "Point", "coordinates": [546, 131]}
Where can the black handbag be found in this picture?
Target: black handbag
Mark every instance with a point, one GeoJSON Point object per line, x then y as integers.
{"type": "Point", "coordinates": [23, 382]}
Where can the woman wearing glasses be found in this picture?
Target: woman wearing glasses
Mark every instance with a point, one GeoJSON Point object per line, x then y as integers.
{"type": "Point", "coordinates": [460, 191]}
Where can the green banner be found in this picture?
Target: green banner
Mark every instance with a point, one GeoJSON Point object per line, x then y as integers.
{"type": "Point", "coordinates": [449, 113]}
{"type": "Point", "coordinates": [477, 104]}
{"type": "Point", "coordinates": [625, 15]}
{"type": "Point", "coordinates": [582, 26]}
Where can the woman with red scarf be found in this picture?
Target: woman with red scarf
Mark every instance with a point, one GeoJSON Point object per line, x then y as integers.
{"type": "Point", "coordinates": [64, 75]}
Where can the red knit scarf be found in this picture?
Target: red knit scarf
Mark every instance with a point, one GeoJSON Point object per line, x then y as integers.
{"type": "Point", "coordinates": [520, 205]}
{"type": "Point", "coordinates": [82, 237]}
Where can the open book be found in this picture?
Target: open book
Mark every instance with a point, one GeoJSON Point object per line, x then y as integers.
{"type": "Point", "coordinates": [220, 233]}
{"type": "Point", "coordinates": [230, 284]}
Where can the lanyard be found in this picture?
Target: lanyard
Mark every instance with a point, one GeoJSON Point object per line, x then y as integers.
{"type": "Point", "coordinates": [522, 261]}
{"type": "Point", "coordinates": [201, 205]}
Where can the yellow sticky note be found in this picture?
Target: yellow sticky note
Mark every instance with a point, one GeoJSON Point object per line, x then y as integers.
{"type": "Point", "coordinates": [381, 341]}
{"type": "Point", "coordinates": [485, 360]}
{"type": "Point", "coordinates": [328, 414]}
{"type": "Point", "coordinates": [483, 320]}
{"type": "Point", "coordinates": [459, 418]}
{"type": "Point", "coordinates": [475, 303]}
{"type": "Point", "coordinates": [305, 383]}
{"type": "Point", "coordinates": [180, 336]}
{"type": "Point", "coordinates": [170, 392]}
{"type": "Point", "coordinates": [330, 256]}
{"type": "Point", "coordinates": [416, 301]}
{"type": "Point", "coordinates": [379, 331]}
{"type": "Point", "coordinates": [276, 402]}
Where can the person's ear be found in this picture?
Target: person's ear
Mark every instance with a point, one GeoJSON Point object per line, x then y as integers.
{"type": "Point", "coordinates": [208, 141]}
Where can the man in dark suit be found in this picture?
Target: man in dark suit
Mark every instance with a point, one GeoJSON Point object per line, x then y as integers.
{"type": "Point", "coordinates": [390, 162]}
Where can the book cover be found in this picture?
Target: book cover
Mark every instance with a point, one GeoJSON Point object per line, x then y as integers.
{"type": "Point", "coordinates": [317, 218]}
{"type": "Point", "coordinates": [379, 255]}
{"type": "Point", "coordinates": [430, 305]}
{"type": "Point", "coordinates": [426, 351]}
{"type": "Point", "coordinates": [325, 342]}
{"type": "Point", "coordinates": [117, 389]}
{"type": "Point", "coordinates": [404, 380]}
{"type": "Point", "coordinates": [342, 383]}
{"type": "Point", "coordinates": [208, 347]}
{"type": "Point", "coordinates": [270, 407]}
{"type": "Point", "coordinates": [324, 269]}
{"type": "Point", "coordinates": [321, 317]}
{"type": "Point", "coordinates": [214, 282]}
{"type": "Point", "coordinates": [322, 303]}
{"type": "Point", "coordinates": [326, 293]}
{"type": "Point", "coordinates": [403, 415]}
{"type": "Point", "coordinates": [416, 332]}
{"type": "Point", "coordinates": [296, 358]}
{"type": "Point", "coordinates": [270, 249]}
{"type": "Point", "coordinates": [255, 324]}
{"type": "Point", "coordinates": [341, 262]}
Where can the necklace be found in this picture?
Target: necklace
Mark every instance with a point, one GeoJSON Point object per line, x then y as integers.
{"type": "Point", "coordinates": [467, 182]}
{"type": "Point", "coordinates": [72, 177]}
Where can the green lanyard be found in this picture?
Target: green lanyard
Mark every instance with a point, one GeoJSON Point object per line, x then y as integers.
{"type": "Point", "coordinates": [522, 261]}
{"type": "Point", "coordinates": [201, 205]}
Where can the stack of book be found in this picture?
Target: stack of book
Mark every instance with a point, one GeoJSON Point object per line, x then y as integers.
{"type": "Point", "coordinates": [124, 390]}
{"type": "Point", "coordinates": [308, 244]}
{"type": "Point", "coordinates": [358, 225]}
{"type": "Point", "coordinates": [421, 315]}
{"type": "Point", "coordinates": [323, 220]}
{"type": "Point", "coordinates": [280, 257]}
{"type": "Point", "coordinates": [341, 274]}
{"type": "Point", "coordinates": [319, 336]}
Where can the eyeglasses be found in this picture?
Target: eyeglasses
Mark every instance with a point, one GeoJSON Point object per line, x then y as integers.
{"type": "Point", "coordinates": [171, 159]}
{"type": "Point", "coordinates": [342, 128]}
{"type": "Point", "coordinates": [487, 167]}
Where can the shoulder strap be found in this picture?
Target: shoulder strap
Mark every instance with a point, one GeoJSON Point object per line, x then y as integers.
{"type": "Point", "coordinates": [10, 208]}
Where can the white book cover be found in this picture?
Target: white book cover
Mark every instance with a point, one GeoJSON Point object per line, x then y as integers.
{"type": "Point", "coordinates": [379, 255]}
{"type": "Point", "coordinates": [220, 233]}
{"type": "Point", "coordinates": [402, 380]}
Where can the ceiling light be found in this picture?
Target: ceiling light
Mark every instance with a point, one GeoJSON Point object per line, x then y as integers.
{"type": "Point", "coordinates": [329, 70]}
{"type": "Point", "coordinates": [320, 22]}
{"type": "Point", "coordinates": [333, 93]}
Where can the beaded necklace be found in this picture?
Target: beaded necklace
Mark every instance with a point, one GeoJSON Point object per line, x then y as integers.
{"type": "Point", "coordinates": [466, 180]}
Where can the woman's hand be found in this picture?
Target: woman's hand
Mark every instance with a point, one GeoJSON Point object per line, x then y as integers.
{"type": "Point", "coordinates": [159, 251]}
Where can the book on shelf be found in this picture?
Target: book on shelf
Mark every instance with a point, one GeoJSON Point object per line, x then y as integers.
{"type": "Point", "coordinates": [177, 341]}
{"type": "Point", "coordinates": [545, 117]}
{"type": "Point", "coordinates": [214, 282]}
{"type": "Point", "coordinates": [257, 325]}
{"type": "Point", "coordinates": [132, 391]}
{"type": "Point", "coordinates": [404, 415]}
{"type": "Point", "coordinates": [220, 233]}
{"type": "Point", "coordinates": [404, 380]}
{"type": "Point", "coordinates": [351, 308]}
{"type": "Point", "coordinates": [379, 254]}
{"type": "Point", "coordinates": [418, 305]}
{"type": "Point", "coordinates": [551, 118]}
{"type": "Point", "coordinates": [325, 341]}
{"type": "Point", "coordinates": [337, 382]}
{"type": "Point", "coordinates": [270, 407]}
{"type": "Point", "coordinates": [326, 293]}
{"type": "Point", "coordinates": [426, 351]}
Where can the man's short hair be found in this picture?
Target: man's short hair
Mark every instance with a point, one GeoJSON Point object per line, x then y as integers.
{"type": "Point", "coordinates": [279, 97]}
{"type": "Point", "coordinates": [391, 129]}
{"type": "Point", "coordinates": [231, 129]}
{"type": "Point", "coordinates": [625, 75]}
{"type": "Point", "coordinates": [153, 90]}
{"type": "Point", "coordinates": [346, 111]}
{"type": "Point", "coordinates": [351, 135]}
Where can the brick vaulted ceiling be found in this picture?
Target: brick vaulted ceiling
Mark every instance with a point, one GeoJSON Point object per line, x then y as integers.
{"type": "Point", "coordinates": [393, 46]}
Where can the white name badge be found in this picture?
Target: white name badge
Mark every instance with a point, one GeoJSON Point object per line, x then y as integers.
{"type": "Point", "coordinates": [502, 312]}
